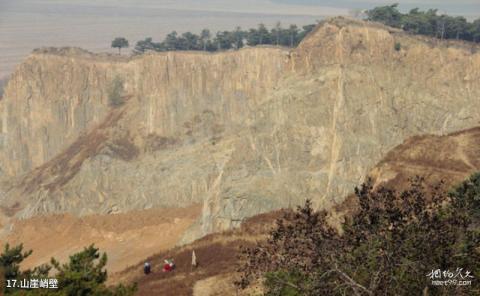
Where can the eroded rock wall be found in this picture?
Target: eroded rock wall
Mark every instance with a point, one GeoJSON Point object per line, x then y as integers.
{"type": "Point", "coordinates": [55, 95]}
{"type": "Point", "coordinates": [243, 132]}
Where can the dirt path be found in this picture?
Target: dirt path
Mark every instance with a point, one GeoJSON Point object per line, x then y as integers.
{"type": "Point", "coordinates": [217, 258]}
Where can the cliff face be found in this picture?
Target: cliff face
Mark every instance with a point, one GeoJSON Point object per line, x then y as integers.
{"type": "Point", "coordinates": [243, 132]}
{"type": "Point", "coordinates": [55, 95]}
{"type": "Point", "coordinates": [457, 156]}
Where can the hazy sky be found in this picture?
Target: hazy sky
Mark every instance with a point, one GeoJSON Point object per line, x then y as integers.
{"type": "Point", "coordinates": [310, 7]}
{"type": "Point", "coordinates": [461, 7]}
{"type": "Point", "coordinates": [91, 24]}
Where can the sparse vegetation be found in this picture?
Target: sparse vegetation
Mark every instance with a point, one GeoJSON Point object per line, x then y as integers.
{"type": "Point", "coordinates": [388, 247]}
{"type": "Point", "coordinates": [83, 274]}
{"type": "Point", "coordinates": [398, 46]}
{"type": "Point", "coordinates": [116, 92]}
{"type": "Point", "coordinates": [428, 23]}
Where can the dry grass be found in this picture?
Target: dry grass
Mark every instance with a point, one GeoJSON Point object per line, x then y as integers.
{"type": "Point", "coordinates": [450, 158]}
{"type": "Point", "coordinates": [216, 255]}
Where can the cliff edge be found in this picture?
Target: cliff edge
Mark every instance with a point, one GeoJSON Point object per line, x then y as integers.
{"type": "Point", "coordinates": [242, 132]}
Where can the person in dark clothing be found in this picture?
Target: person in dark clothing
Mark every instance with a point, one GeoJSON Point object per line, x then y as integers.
{"type": "Point", "coordinates": [147, 268]}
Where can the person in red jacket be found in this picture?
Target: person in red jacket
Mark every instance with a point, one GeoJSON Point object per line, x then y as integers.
{"type": "Point", "coordinates": [169, 265]}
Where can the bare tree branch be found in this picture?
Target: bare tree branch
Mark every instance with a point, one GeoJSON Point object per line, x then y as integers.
{"type": "Point", "coordinates": [356, 286]}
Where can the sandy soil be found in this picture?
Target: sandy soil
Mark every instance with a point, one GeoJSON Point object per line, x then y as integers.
{"type": "Point", "coordinates": [127, 238]}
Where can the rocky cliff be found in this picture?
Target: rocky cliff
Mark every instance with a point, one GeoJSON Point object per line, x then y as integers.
{"type": "Point", "coordinates": [242, 132]}
{"type": "Point", "coordinates": [456, 159]}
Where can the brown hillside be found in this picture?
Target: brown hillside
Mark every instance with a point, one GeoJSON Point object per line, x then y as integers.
{"type": "Point", "coordinates": [451, 158]}
{"type": "Point", "coordinates": [126, 238]}
{"type": "Point", "coordinates": [216, 255]}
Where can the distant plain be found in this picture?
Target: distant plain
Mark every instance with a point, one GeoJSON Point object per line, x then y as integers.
{"type": "Point", "coordinates": [29, 24]}
{"type": "Point", "coordinates": [92, 24]}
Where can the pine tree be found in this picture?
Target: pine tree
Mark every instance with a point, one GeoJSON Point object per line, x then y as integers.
{"type": "Point", "coordinates": [119, 43]}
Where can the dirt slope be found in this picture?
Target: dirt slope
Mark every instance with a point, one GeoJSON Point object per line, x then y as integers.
{"type": "Point", "coordinates": [127, 238]}
{"type": "Point", "coordinates": [451, 158]}
{"type": "Point", "coordinates": [216, 255]}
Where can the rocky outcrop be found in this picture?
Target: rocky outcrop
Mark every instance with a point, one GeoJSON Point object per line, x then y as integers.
{"type": "Point", "coordinates": [243, 132]}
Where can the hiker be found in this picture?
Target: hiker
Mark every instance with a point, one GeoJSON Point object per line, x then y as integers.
{"type": "Point", "coordinates": [147, 268]}
{"type": "Point", "coordinates": [169, 265]}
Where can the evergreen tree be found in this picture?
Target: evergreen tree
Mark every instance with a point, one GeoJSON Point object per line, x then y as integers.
{"type": "Point", "coordinates": [253, 37]}
{"type": "Point", "coordinates": [84, 274]}
{"type": "Point", "coordinates": [276, 33]}
{"type": "Point", "coordinates": [224, 40]}
{"type": "Point", "coordinates": [120, 43]}
{"type": "Point", "coordinates": [171, 41]}
{"type": "Point", "coordinates": [191, 41]}
{"type": "Point", "coordinates": [259, 36]}
{"type": "Point", "coordinates": [10, 261]}
{"type": "Point", "coordinates": [204, 38]}
{"type": "Point", "coordinates": [264, 36]}
{"type": "Point", "coordinates": [425, 23]}
{"type": "Point", "coordinates": [238, 36]}
{"type": "Point", "coordinates": [143, 46]}
{"type": "Point", "coordinates": [292, 35]}
{"type": "Point", "coordinates": [474, 30]}
{"type": "Point", "coordinates": [388, 15]}
{"type": "Point", "coordinates": [458, 28]}
{"type": "Point", "coordinates": [418, 22]}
